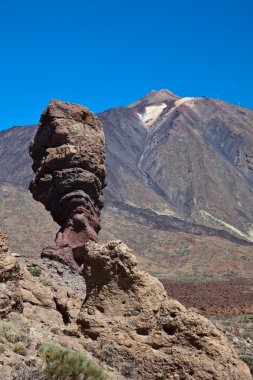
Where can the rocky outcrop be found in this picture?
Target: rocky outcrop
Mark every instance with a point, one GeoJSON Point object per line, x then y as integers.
{"type": "Point", "coordinates": [128, 318]}
{"type": "Point", "coordinates": [68, 160]}
{"type": "Point", "coordinates": [36, 307]}
{"type": "Point", "coordinates": [127, 321]}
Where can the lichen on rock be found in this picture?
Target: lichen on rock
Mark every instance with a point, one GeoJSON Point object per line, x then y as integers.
{"type": "Point", "coordinates": [68, 160]}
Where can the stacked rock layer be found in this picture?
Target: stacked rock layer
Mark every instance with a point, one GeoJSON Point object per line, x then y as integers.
{"type": "Point", "coordinates": [68, 160]}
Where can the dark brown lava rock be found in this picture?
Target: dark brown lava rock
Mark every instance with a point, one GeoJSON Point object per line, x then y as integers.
{"type": "Point", "coordinates": [68, 161]}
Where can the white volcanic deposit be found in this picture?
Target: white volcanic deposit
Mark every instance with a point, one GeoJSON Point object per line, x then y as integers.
{"type": "Point", "coordinates": [151, 114]}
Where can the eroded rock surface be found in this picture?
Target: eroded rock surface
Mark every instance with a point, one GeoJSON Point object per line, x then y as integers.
{"type": "Point", "coordinates": [127, 321]}
{"type": "Point", "coordinates": [10, 298]}
{"type": "Point", "coordinates": [129, 318]}
{"type": "Point", "coordinates": [68, 160]}
{"type": "Point", "coordinates": [35, 309]}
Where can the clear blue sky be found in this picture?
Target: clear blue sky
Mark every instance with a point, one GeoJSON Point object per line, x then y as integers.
{"type": "Point", "coordinates": [109, 53]}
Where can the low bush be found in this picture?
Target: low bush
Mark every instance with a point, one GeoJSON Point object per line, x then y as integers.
{"type": "Point", "coordinates": [249, 361]}
{"type": "Point", "coordinates": [9, 332]}
{"type": "Point", "coordinates": [35, 271]}
{"type": "Point", "coordinates": [107, 353]}
{"type": "Point", "coordinates": [65, 364]}
{"type": "Point", "coordinates": [20, 348]}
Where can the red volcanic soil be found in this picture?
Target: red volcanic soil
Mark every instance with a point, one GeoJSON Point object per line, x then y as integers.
{"type": "Point", "coordinates": [231, 297]}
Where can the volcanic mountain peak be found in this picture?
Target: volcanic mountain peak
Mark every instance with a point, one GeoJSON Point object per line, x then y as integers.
{"type": "Point", "coordinates": [149, 112]}
{"type": "Point", "coordinates": [155, 97]}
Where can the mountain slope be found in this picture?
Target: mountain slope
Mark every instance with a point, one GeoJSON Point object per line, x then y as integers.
{"type": "Point", "coordinates": [15, 163]}
{"type": "Point", "coordinates": [179, 174]}
{"type": "Point", "coordinates": [191, 157]}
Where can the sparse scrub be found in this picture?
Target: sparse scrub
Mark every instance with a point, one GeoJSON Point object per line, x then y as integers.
{"type": "Point", "coordinates": [249, 361]}
{"type": "Point", "coordinates": [2, 348]}
{"type": "Point", "coordinates": [29, 373]}
{"type": "Point", "coordinates": [35, 271]}
{"type": "Point", "coordinates": [45, 281]}
{"type": "Point", "coordinates": [127, 369]}
{"type": "Point", "coordinates": [9, 332]}
{"type": "Point", "coordinates": [107, 353]}
{"type": "Point", "coordinates": [14, 337]}
{"type": "Point", "coordinates": [65, 364]}
{"type": "Point", "coordinates": [20, 348]}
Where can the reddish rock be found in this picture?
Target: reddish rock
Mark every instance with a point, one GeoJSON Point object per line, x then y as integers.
{"type": "Point", "coordinates": [68, 160]}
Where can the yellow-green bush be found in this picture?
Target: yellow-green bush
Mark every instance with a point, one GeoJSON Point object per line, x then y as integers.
{"type": "Point", "coordinates": [20, 348]}
{"type": "Point", "coordinates": [9, 332]}
{"type": "Point", "coordinates": [249, 361]}
{"type": "Point", "coordinates": [65, 364]}
{"type": "Point", "coordinates": [35, 271]}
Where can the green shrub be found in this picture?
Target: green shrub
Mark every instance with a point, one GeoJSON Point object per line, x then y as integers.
{"type": "Point", "coordinates": [35, 271]}
{"type": "Point", "coordinates": [9, 332]}
{"type": "Point", "coordinates": [249, 361]}
{"type": "Point", "coordinates": [65, 364]}
{"type": "Point", "coordinates": [20, 348]}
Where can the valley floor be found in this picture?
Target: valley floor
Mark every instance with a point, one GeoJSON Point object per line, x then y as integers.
{"type": "Point", "coordinates": [229, 305]}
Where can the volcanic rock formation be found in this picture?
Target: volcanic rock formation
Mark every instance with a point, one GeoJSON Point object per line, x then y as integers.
{"type": "Point", "coordinates": [127, 319]}
{"type": "Point", "coordinates": [68, 160]}
{"type": "Point", "coordinates": [130, 319]}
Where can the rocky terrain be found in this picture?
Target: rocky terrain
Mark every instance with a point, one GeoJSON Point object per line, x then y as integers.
{"type": "Point", "coordinates": [129, 310]}
{"type": "Point", "coordinates": [41, 307]}
{"type": "Point", "coordinates": [38, 305]}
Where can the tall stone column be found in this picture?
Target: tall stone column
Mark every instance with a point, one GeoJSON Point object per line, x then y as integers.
{"type": "Point", "coordinates": [68, 162]}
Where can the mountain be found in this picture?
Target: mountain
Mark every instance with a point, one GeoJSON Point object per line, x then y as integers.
{"type": "Point", "coordinates": [180, 177]}
{"type": "Point", "coordinates": [187, 157]}
{"type": "Point", "coordinates": [112, 310]}
{"type": "Point", "coordinates": [14, 158]}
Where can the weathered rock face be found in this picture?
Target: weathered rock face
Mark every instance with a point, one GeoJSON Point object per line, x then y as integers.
{"type": "Point", "coordinates": [130, 319]}
{"type": "Point", "coordinates": [35, 309]}
{"type": "Point", "coordinates": [10, 273]}
{"type": "Point", "coordinates": [68, 160]}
